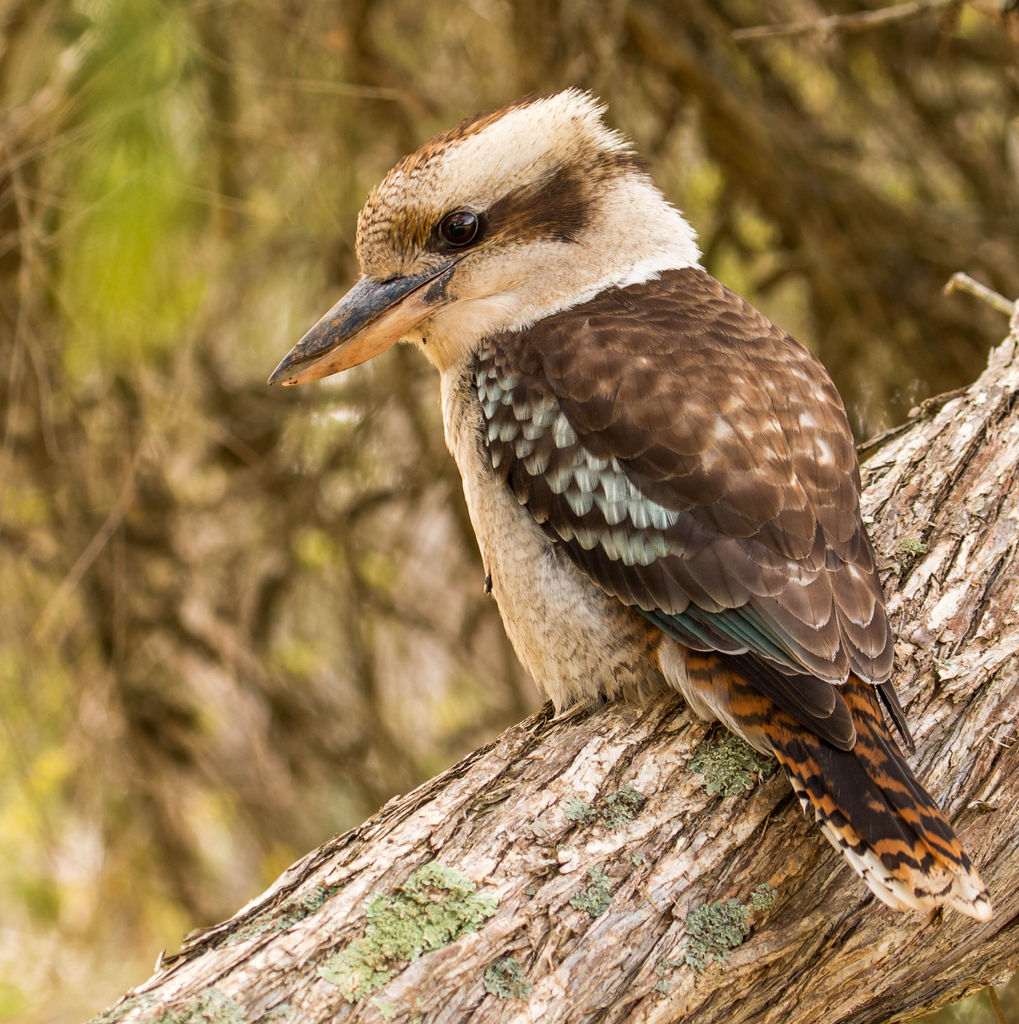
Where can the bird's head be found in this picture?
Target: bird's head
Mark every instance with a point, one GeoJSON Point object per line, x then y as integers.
{"type": "Point", "coordinates": [497, 223]}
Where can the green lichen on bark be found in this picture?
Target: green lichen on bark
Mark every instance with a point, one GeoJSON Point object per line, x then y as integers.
{"type": "Point", "coordinates": [506, 979]}
{"type": "Point", "coordinates": [596, 896]}
{"type": "Point", "coordinates": [433, 908]}
{"type": "Point", "coordinates": [763, 897]}
{"type": "Point", "coordinates": [910, 547]}
{"type": "Point", "coordinates": [730, 765]}
{"type": "Point", "coordinates": [579, 812]}
{"type": "Point", "coordinates": [662, 968]}
{"type": "Point", "coordinates": [712, 930]}
{"type": "Point", "coordinates": [387, 1009]}
{"type": "Point", "coordinates": [209, 1007]}
{"type": "Point", "coordinates": [624, 805]}
{"type": "Point", "coordinates": [613, 810]}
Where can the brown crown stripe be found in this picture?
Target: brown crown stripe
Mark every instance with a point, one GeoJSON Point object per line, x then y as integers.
{"type": "Point", "coordinates": [473, 125]}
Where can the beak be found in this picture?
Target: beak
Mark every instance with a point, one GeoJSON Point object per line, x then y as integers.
{"type": "Point", "coordinates": [370, 318]}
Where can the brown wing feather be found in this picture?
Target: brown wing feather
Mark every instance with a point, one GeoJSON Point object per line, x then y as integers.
{"type": "Point", "coordinates": [696, 462]}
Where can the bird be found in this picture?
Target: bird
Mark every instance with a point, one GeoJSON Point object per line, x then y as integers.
{"type": "Point", "coordinates": [663, 484]}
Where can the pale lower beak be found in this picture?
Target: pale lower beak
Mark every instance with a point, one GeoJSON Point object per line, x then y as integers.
{"type": "Point", "coordinates": [370, 318]}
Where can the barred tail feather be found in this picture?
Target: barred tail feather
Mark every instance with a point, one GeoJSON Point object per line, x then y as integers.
{"type": "Point", "coordinates": [864, 795]}
{"type": "Point", "coordinates": [870, 806]}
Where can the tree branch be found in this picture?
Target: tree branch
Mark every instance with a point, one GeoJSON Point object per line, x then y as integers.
{"type": "Point", "coordinates": [858, 21]}
{"type": "Point", "coordinates": [581, 869]}
{"type": "Point", "coordinates": [961, 282]}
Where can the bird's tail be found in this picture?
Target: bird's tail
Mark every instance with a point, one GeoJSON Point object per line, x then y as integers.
{"type": "Point", "coordinates": [866, 799]}
{"type": "Point", "coordinates": [871, 807]}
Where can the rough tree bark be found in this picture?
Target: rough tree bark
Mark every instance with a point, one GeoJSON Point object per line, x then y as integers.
{"type": "Point", "coordinates": [583, 869]}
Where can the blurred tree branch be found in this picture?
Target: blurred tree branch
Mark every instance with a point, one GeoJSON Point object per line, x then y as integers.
{"type": "Point", "coordinates": [859, 21]}
{"type": "Point", "coordinates": [579, 870]}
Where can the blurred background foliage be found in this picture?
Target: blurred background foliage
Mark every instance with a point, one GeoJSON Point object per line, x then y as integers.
{"type": "Point", "coordinates": [235, 621]}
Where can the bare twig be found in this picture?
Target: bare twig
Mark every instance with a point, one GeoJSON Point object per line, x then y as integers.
{"type": "Point", "coordinates": [859, 21]}
{"type": "Point", "coordinates": [961, 282]}
{"type": "Point", "coordinates": [999, 1013]}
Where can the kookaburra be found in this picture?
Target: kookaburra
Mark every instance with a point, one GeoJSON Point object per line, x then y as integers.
{"type": "Point", "coordinates": [663, 484]}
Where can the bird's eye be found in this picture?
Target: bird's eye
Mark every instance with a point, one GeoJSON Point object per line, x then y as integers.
{"type": "Point", "coordinates": [459, 228]}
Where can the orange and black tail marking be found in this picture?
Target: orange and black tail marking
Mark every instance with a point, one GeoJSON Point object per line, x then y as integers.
{"type": "Point", "coordinates": [866, 799]}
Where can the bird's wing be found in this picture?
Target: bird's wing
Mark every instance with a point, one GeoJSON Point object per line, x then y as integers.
{"type": "Point", "coordinates": [696, 462]}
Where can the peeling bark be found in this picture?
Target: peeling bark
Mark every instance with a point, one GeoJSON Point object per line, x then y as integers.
{"type": "Point", "coordinates": [580, 870]}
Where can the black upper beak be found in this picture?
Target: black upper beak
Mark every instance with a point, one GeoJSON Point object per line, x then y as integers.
{"type": "Point", "coordinates": [366, 321]}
